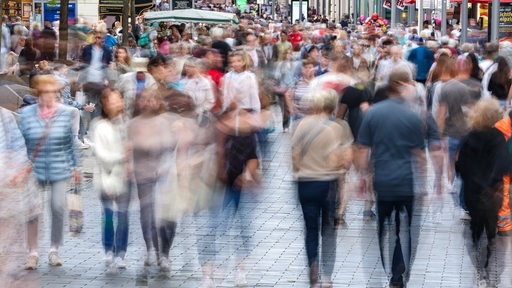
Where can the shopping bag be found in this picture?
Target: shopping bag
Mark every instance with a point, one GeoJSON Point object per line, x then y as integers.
{"type": "Point", "coordinates": [76, 220]}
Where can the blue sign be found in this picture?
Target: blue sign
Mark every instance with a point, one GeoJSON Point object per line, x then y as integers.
{"type": "Point", "coordinates": [52, 12]}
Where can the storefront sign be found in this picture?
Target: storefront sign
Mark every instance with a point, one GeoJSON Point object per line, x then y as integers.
{"type": "Point", "coordinates": [241, 4]}
{"type": "Point", "coordinates": [26, 12]}
{"type": "Point", "coordinates": [182, 4]}
{"type": "Point", "coordinates": [110, 10]}
{"type": "Point", "coordinates": [141, 5]}
{"type": "Point", "coordinates": [115, 7]}
{"type": "Point", "coordinates": [505, 27]}
{"type": "Point", "coordinates": [399, 4]}
{"type": "Point", "coordinates": [52, 12]}
{"type": "Point", "coordinates": [110, 7]}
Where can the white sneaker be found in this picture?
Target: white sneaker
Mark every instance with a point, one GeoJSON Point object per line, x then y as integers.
{"type": "Point", "coordinates": [108, 258]}
{"type": "Point", "coordinates": [88, 142]}
{"type": "Point", "coordinates": [119, 263]}
{"type": "Point", "coordinates": [464, 215]}
{"type": "Point", "coordinates": [82, 145]}
{"type": "Point", "coordinates": [164, 264]}
{"type": "Point", "coordinates": [54, 259]}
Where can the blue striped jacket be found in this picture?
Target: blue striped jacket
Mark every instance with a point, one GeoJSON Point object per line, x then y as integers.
{"type": "Point", "coordinates": [58, 156]}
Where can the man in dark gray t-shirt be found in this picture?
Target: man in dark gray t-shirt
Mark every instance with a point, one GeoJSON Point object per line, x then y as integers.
{"type": "Point", "coordinates": [394, 134]}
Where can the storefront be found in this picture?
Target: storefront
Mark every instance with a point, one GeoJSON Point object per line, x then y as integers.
{"type": "Point", "coordinates": [51, 12]}
{"type": "Point", "coordinates": [19, 8]}
{"type": "Point", "coordinates": [37, 11]}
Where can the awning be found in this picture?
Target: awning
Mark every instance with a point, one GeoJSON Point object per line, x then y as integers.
{"type": "Point", "coordinates": [480, 1]}
{"type": "Point", "coordinates": [191, 15]}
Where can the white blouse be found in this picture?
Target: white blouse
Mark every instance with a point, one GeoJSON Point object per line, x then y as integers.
{"type": "Point", "coordinates": [241, 88]}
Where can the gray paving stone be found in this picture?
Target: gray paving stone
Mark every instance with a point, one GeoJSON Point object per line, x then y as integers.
{"type": "Point", "coordinates": [277, 257]}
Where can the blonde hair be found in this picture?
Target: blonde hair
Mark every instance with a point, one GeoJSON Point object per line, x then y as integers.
{"type": "Point", "coordinates": [40, 80]}
{"type": "Point", "coordinates": [323, 101]}
{"type": "Point", "coordinates": [485, 114]}
{"type": "Point", "coordinates": [244, 56]}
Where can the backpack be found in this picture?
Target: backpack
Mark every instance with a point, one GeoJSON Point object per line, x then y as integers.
{"type": "Point", "coordinates": [144, 39]}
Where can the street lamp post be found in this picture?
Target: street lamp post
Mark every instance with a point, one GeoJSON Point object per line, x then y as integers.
{"type": "Point", "coordinates": [393, 14]}
{"type": "Point", "coordinates": [464, 21]}
{"type": "Point", "coordinates": [443, 18]}
{"type": "Point", "coordinates": [356, 10]}
{"type": "Point", "coordinates": [300, 10]}
{"type": "Point", "coordinates": [495, 20]}
{"type": "Point", "coordinates": [421, 15]}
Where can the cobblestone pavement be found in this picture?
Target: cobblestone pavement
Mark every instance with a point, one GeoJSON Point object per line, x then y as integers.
{"type": "Point", "coordinates": [277, 257]}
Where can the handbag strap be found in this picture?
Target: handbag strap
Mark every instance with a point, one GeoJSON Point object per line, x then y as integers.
{"type": "Point", "coordinates": [41, 141]}
{"type": "Point", "coordinates": [319, 129]}
{"type": "Point", "coordinates": [311, 136]}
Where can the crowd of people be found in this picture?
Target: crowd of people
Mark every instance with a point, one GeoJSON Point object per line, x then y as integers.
{"type": "Point", "coordinates": [180, 115]}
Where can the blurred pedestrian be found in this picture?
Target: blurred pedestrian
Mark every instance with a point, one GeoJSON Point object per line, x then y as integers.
{"type": "Point", "coordinates": [240, 86]}
{"type": "Point", "coordinates": [199, 88]}
{"type": "Point", "coordinates": [112, 175]}
{"type": "Point", "coordinates": [131, 84]}
{"type": "Point", "coordinates": [47, 129]}
{"type": "Point", "coordinates": [94, 77]}
{"type": "Point", "coordinates": [300, 91]}
{"type": "Point", "coordinates": [482, 161]}
{"type": "Point", "coordinates": [48, 41]}
{"type": "Point", "coordinates": [145, 134]}
{"type": "Point", "coordinates": [285, 78]}
{"type": "Point", "coordinates": [6, 42]}
{"type": "Point", "coordinates": [321, 151]}
{"type": "Point", "coordinates": [500, 82]}
{"type": "Point", "coordinates": [120, 65]}
{"type": "Point", "coordinates": [238, 167]}
{"type": "Point", "coordinates": [394, 134]}
{"type": "Point", "coordinates": [456, 98]}
{"type": "Point", "coordinates": [61, 75]}
{"type": "Point", "coordinates": [28, 58]}
{"type": "Point", "coordinates": [21, 201]}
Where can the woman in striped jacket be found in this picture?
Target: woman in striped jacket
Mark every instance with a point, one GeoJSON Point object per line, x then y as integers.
{"type": "Point", "coordinates": [47, 129]}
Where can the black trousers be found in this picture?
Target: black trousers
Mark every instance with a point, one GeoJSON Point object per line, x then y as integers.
{"type": "Point", "coordinates": [394, 221]}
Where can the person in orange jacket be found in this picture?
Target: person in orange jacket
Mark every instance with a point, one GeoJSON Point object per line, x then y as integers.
{"type": "Point", "coordinates": [504, 215]}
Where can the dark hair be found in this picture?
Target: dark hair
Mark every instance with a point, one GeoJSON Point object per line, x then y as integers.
{"type": "Point", "coordinates": [502, 77]}
{"type": "Point", "coordinates": [29, 44]}
{"type": "Point", "coordinates": [476, 72]}
{"type": "Point", "coordinates": [311, 48]}
{"type": "Point", "coordinates": [178, 102]}
{"type": "Point", "coordinates": [387, 41]}
{"type": "Point", "coordinates": [157, 60]}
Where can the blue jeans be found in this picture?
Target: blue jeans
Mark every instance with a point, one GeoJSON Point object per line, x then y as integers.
{"type": "Point", "coordinates": [146, 195]}
{"type": "Point", "coordinates": [115, 240]}
{"type": "Point", "coordinates": [318, 199]}
{"type": "Point", "coordinates": [453, 148]}
{"type": "Point", "coordinates": [230, 211]}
